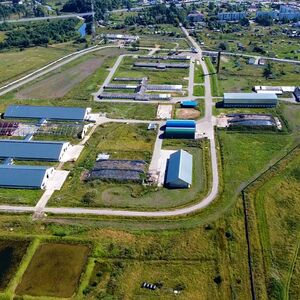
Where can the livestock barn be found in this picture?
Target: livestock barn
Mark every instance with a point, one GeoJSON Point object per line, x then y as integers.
{"type": "Point", "coordinates": [250, 100]}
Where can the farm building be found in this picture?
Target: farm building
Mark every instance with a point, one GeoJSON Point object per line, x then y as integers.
{"type": "Point", "coordinates": [161, 65]}
{"type": "Point", "coordinates": [33, 150]}
{"type": "Point", "coordinates": [24, 177]}
{"type": "Point", "coordinates": [180, 129]}
{"type": "Point", "coordinates": [47, 112]}
{"type": "Point", "coordinates": [297, 94]}
{"type": "Point", "coordinates": [250, 99]}
{"type": "Point", "coordinates": [118, 170]}
{"type": "Point", "coordinates": [188, 104]}
{"type": "Point", "coordinates": [179, 170]}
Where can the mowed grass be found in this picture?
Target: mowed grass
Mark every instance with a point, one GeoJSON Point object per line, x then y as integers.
{"type": "Point", "coordinates": [198, 75]}
{"type": "Point", "coordinates": [11, 254]}
{"type": "Point", "coordinates": [215, 90]}
{"type": "Point", "coordinates": [199, 90]}
{"type": "Point", "coordinates": [16, 63]}
{"type": "Point", "coordinates": [168, 76]}
{"type": "Point", "coordinates": [54, 270]}
{"type": "Point", "coordinates": [19, 196]}
{"type": "Point", "coordinates": [277, 215]}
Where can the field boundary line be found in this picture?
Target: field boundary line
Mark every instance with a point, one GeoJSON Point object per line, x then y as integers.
{"type": "Point", "coordinates": [10, 290]}
{"type": "Point", "coordinates": [246, 217]}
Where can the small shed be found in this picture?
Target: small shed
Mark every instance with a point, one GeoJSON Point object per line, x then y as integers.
{"type": "Point", "coordinates": [179, 170]}
{"type": "Point", "coordinates": [188, 104]}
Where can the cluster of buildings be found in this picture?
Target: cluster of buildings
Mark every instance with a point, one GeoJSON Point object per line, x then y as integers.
{"type": "Point", "coordinates": [35, 176]}
{"type": "Point", "coordinates": [139, 88]}
{"type": "Point", "coordinates": [286, 12]}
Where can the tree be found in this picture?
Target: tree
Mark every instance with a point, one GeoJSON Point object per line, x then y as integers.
{"type": "Point", "coordinates": [244, 22]}
{"type": "Point", "coordinates": [223, 46]}
{"type": "Point", "coordinates": [89, 197]}
{"type": "Point", "coordinates": [264, 20]}
{"type": "Point", "coordinates": [268, 71]}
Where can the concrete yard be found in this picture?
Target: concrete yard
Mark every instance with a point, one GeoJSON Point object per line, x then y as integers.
{"type": "Point", "coordinates": [162, 164]}
{"type": "Point", "coordinates": [57, 180]}
{"type": "Point", "coordinates": [72, 153]}
{"type": "Point", "coordinates": [164, 112]}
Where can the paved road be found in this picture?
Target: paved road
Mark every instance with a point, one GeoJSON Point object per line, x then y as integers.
{"type": "Point", "coordinates": [109, 77]}
{"type": "Point", "coordinates": [66, 16]}
{"type": "Point", "coordinates": [49, 68]}
{"type": "Point", "coordinates": [283, 60]}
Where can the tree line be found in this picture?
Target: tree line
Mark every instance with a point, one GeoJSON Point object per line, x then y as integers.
{"type": "Point", "coordinates": [160, 14]}
{"type": "Point", "coordinates": [101, 7]}
{"type": "Point", "coordinates": [38, 33]}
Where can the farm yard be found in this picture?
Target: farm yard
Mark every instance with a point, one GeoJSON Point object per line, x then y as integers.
{"type": "Point", "coordinates": [129, 142]}
{"type": "Point", "coordinates": [94, 239]}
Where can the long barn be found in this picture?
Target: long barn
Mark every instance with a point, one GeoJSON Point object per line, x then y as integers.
{"type": "Point", "coordinates": [33, 150]}
{"type": "Point", "coordinates": [47, 112]}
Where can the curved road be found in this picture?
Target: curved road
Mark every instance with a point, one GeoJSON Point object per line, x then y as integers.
{"type": "Point", "coordinates": [207, 128]}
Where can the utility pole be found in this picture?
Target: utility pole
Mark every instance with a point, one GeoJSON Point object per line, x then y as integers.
{"type": "Point", "coordinates": [218, 62]}
{"type": "Point", "coordinates": [93, 22]}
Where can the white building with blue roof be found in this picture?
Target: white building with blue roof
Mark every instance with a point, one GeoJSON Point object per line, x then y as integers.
{"type": "Point", "coordinates": [179, 170]}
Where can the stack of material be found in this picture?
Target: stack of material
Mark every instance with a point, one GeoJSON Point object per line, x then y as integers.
{"type": "Point", "coordinates": [118, 170]}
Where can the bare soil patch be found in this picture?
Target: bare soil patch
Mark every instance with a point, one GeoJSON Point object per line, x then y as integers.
{"type": "Point", "coordinates": [57, 85]}
{"type": "Point", "coordinates": [187, 113]}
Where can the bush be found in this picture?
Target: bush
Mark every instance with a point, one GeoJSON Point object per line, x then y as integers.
{"type": "Point", "coordinates": [89, 197]}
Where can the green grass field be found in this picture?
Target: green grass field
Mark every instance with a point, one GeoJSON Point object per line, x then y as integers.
{"type": "Point", "coordinates": [54, 270]}
{"type": "Point", "coordinates": [274, 42]}
{"type": "Point", "coordinates": [199, 90]}
{"type": "Point", "coordinates": [199, 76]}
{"type": "Point", "coordinates": [15, 64]}
{"type": "Point", "coordinates": [128, 110]}
{"type": "Point", "coordinates": [237, 76]}
{"type": "Point", "coordinates": [275, 230]}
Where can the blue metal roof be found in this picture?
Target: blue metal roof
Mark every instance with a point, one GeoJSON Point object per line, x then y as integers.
{"type": "Point", "coordinates": [14, 176]}
{"type": "Point", "coordinates": [181, 123]}
{"type": "Point", "coordinates": [180, 169]}
{"type": "Point", "coordinates": [189, 103]}
{"type": "Point", "coordinates": [31, 150]}
{"type": "Point", "coordinates": [45, 112]}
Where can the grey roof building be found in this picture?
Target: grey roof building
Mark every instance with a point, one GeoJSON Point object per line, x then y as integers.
{"type": "Point", "coordinates": [179, 170]}
{"type": "Point", "coordinates": [24, 177]}
{"type": "Point", "coordinates": [47, 112]}
{"type": "Point", "coordinates": [250, 99]}
{"type": "Point", "coordinates": [33, 150]}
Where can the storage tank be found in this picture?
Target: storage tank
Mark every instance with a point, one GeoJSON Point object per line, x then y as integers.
{"type": "Point", "coordinates": [181, 123]}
